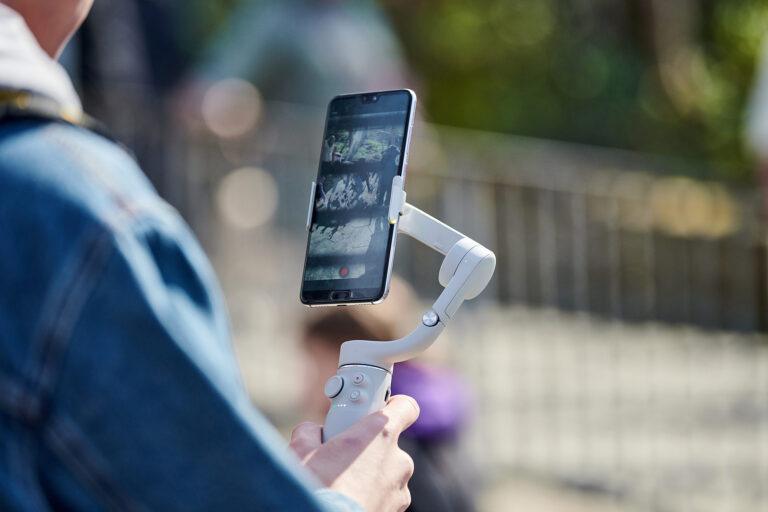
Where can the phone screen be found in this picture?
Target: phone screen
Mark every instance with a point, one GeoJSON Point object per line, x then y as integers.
{"type": "Point", "coordinates": [351, 242]}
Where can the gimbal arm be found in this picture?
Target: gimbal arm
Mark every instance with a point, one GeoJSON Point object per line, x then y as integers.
{"type": "Point", "coordinates": [465, 272]}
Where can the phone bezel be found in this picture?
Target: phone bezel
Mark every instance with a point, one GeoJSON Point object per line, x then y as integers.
{"type": "Point", "coordinates": [317, 302]}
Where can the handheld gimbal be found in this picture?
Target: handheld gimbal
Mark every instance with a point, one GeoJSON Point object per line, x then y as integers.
{"type": "Point", "coordinates": [362, 383]}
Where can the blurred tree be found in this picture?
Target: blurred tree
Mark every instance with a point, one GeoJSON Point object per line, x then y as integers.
{"type": "Point", "coordinates": [305, 51]}
{"type": "Point", "coordinates": [203, 19]}
{"type": "Point", "coordinates": [668, 77]}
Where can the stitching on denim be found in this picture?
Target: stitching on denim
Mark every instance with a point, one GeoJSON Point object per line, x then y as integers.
{"type": "Point", "coordinates": [87, 464]}
{"type": "Point", "coordinates": [23, 470]}
{"type": "Point", "coordinates": [92, 265]}
{"type": "Point", "coordinates": [18, 402]}
{"type": "Point", "coordinates": [129, 209]}
{"type": "Point", "coordinates": [125, 219]}
{"type": "Point", "coordinates": [62, 310]}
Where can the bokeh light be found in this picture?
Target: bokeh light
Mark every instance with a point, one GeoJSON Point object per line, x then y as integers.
{"type": "Point", "coordinates": [684, 207]}
{"type": "Point", "coordinates": [231, 108]}
{"type": "Point", "coordinates": [247, 198]}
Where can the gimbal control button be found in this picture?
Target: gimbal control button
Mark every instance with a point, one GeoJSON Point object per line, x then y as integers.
{"type": "Point", "coordinates": [430, 318]}
{"type": "Point", "coordinates": [333, 386]}
{"type": "Point", "coordinates": [358, 378]}
{"type": "Point", "coordinates": [355, 396]}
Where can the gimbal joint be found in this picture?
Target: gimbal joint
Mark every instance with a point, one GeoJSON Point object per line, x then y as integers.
{"type": "Point", "coordinates": [430, 318]}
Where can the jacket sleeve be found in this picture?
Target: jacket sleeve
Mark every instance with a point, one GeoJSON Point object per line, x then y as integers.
{"type": "Point", "coordinates": [147, 410]}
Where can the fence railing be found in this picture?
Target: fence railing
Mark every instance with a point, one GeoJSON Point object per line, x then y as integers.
{"type": "Point", "coordinates": [575, 228]}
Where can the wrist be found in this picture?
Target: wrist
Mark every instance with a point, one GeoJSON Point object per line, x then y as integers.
{"type": "Point", "coordinates": [338, 501]}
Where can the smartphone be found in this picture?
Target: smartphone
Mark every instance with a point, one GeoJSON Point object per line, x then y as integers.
{"type": "Point", "coordinates": [351, 244]}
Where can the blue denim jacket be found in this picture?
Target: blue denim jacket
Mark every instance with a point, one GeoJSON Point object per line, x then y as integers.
{"type": "Point", "coordinates": [118, 385]}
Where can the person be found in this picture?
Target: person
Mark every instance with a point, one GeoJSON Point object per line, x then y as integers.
{"type": "Point", "coordinates": [441, 481]}
{"type": "Point", "coordinates": [119, 389]}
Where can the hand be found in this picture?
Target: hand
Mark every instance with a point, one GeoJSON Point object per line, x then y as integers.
{"type": "Point", "coordinates": [364, 462]}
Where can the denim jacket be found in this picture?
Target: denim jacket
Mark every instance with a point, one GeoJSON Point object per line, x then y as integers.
{"type": "Point", "coordinates": [119, 389]}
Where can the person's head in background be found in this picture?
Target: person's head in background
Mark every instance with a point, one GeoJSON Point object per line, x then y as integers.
{"type": "Point", "coordinates": [52, 22]}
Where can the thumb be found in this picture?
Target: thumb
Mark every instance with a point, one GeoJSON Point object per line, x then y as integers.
{"type": "Point", "coordinates": [305, 439]}
{"type": "Point", "coordinates": [402, 411]}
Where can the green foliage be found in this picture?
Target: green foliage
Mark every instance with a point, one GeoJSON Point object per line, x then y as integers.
{"type": "Point", "coordinates": [202, 20]}
{"type": "Point", "coordinates": [592, 72]}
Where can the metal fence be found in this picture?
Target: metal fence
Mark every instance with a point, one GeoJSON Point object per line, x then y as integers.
{"type": "Point", "coordinates": [617, 356]}
{"type": "Point", "coordinates": [575, 228]}
{"type": "Point", "coordinates": [609, 233]}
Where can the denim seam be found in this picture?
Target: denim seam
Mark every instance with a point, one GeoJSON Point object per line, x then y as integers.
{"type": "Point", "coordinates": [22, 450]}
{"type": "Point", "coordinates": [87, 464]}
{"type": "Point", "coordinates": [62, 309]}
{"type": "Point", "coordinates": [128, 209]}
{"type": "Point", "coordinates": [62, 435]}
{"type": "Point", "coordinates": [64, 302]}
{"type": "Point", "coordinates": [18, 402]}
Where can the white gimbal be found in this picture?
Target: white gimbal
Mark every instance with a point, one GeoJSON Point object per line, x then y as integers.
{"type": "Point", "coordinates": [362, 384]}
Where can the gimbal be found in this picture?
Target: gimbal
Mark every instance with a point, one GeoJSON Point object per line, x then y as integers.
{"type": "Point", "coordinates": [362, 384]}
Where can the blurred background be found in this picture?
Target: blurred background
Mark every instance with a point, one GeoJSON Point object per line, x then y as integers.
{"type": "Point", "coordinates": [614, 155]}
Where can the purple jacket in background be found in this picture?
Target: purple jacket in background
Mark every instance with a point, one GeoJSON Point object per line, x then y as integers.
{"type": "Point", "coordinates": [443, 397]}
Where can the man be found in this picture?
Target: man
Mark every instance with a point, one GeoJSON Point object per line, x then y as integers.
{"type": "Point", "coordinates": [118, 386]}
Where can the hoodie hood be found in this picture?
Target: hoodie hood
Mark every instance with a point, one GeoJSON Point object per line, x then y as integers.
{"type": "Point", "coordinates": [24, 66]}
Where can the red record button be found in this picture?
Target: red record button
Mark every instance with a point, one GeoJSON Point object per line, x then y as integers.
{"type": "Point", "coordinates": [344, 271]}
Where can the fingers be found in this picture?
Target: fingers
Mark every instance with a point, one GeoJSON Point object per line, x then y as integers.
{"type": "Point", "coordinates": [405, 493]}
{"type": "Point", "coordinates": [306, 438]}
{"type": "Point", "coordinates": [402, 411]}
{"type": "Point", "coordinates": [408, 468]}
{"type": "Point", "coordinates": [405, 500]}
